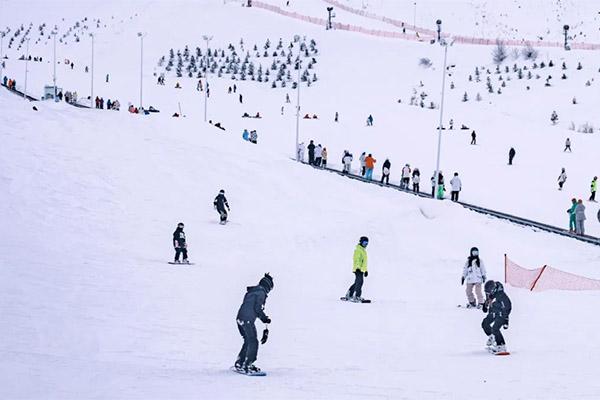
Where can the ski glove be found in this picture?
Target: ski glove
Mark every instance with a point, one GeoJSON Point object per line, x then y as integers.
{"type": "Point", "coordinates": [265, 336]}
{"type": "Point", "coordinates": [505, 325]}
{"type": "Point", "coordinates": [462, 280]}
{"type": "Point", "coordinates": [267, 320]}
{"type": "Point", "coordinates": [483, 277]}
{"type": "Point", "coordinates": [366, 273]}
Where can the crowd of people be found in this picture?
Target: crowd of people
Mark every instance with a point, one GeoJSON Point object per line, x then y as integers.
{"type": "Point", "coordinates": [317, 154]}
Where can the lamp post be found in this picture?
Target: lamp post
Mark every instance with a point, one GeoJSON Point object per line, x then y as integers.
{"type": "Point", "coordinates": [207, 39]}
{"type": "Point", "coordinates": [141, 36]}
{"type": "Point", "coordinates": [2, 34]}
{"type": "Point", "coordinates": [26, 64]}
{"type": "Point", "coordinates": [415, 15]}
{"type": "Point", "coordinates": [92, 77]}
{"type": "Point", "coordinates": [445, 44]}
{"type": "Point", "coordinates": [54, 65]}
{"type": "Point", "coordinates": [439, 29]}
{"type": "Point", "coordinates": [329, 10]}
{"type": "Point", "coordinates": [566, 30]}
{"type": "Point", "coordinates": [298, 64]}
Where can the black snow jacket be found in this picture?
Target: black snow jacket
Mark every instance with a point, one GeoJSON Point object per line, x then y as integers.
{"type": "Point", "coordinates": [311, 148]}
{"type": "Point", "coordinates": [387, 164]}
{"type": "Point", "coordinates": [221, 202]}
{"type": "Point", "coordinates": [253, 305]}
{"type": "Point", "coordinates": [179, 238]}
{"type": "Point", "coordinates": [500, 306]}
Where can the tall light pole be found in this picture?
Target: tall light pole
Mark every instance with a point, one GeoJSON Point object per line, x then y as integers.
{"type": "Point", "coordinates": [92, 77]}
{"type": "Point", "coordinates": [26, 64]}
{"type": "Point", "coordinates": [141, 36]}
{"type": "Point", "coordinates": [566, 30]}
{"type": "Point", "coordinates": [298, 64]}
{"type": "Point", "coordinates": [207, 39]}
{"type": "Point", "coordinates": [329, 15]}
{"type": "Point", "coordinates": [54, 32]}
{"type": "Point", "coordinates": [439, 29]}
{"type": "Point", "coordinates": [445, 44]}
{"type": "Point", "coordinates": [415, 15]}
{"type": "Point", "coordinates": [2, 34]}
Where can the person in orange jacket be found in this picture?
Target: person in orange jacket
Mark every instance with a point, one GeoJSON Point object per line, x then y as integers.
{"type": "Point", "coordinates": [369, 165]}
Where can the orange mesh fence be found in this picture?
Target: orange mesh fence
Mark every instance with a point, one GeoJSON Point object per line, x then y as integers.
{"type": "Point", "coordinates": [520, 277]}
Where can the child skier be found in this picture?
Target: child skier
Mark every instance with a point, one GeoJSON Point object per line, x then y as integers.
{"type": "Point", "coordinates": [359, 268]}
{"type": "Point", "coordinates": [474, 275]}
{"type": "Point", "coordinates": [498, 306]}
{"type": "Point", "coordinates": [220, 204]}
{"type": "Point", "coordinates": [179, 244]}
{"type": "Point", "coordinates": [252, 307]}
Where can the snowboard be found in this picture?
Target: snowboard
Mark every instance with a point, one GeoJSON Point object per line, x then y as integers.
{"type": "Point", "coordinates": [241, 372]}
{"type": "Point", "coordinates": [174, 263]}
{"type": "Point", "coordinates": [468, 308]}
{"type": "Point", "coordinates": [363, 300]}
{"type": "Point", "coordinates": [500, 353]}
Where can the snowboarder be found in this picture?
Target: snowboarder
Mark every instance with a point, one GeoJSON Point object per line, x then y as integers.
{"type": "Point", "coordinates": [179, 244]}
{"type": "Point", "coordinates": [580, 218]}
{"type": "Point", "coordinates": [220, 204]}
{"type": "Point", "coordinates": [347, 161]}
{"type": "Point", "coordinates": [369, 165]}
{"type": "Point", "coordinates": [498, 306]}
{"type": "Point", "coordinates": [594, 188]}
{"type": "Point", "coordinates": [385, 171]}
{"type": "Point", "coordinates": [456, 186]}
{"type": "Point", "coordinates": [416, 179]}
{"type": "Point", "coordinates": [511, 155]}
{"type": "Point", "coordinates": [568, 145]}
{"type": "Point", "coordinates": [571, 211]}
{"type": "Point", "coordinates": [252, 307]}
{"type": "Point", "coordinates": [318, 155]}
{"type": "Point", "coordinates": [311, 152]}
{"type": "Point", "coordinates": [473, 137]}
{"type": "Point", "coordinates": [363, 169]}
{"type": "Point", "coordinates": [562, 178]}
{"type": "Point", "coordinates": [359, 269]}
{"type": "Point", "coordinates": [405, 177]}
{"type": "Point", "coordinates": [474, 274]}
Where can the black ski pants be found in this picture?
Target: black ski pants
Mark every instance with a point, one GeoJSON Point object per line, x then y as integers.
{"type": "Point", "coordinates": [249, 349]}
{"type": "Point", "coordinates": [492, 325]}
{"type": "Point", "coordinates": [386, 178]}
{"type": "Point", "coordinates": [180, 250]}
{"type": "Point", "coordinates": [454, 195]}
{"type": "Point", "coordinates": [593, 196]}
{"type": "Point", "coordinates": [356, 287]}
{"type": "Point", "coordinates": [223, 213]}
{"type": "Point", "coordinates": [416, 187]}
{"type": "Point", "coordinates": [311, 157]}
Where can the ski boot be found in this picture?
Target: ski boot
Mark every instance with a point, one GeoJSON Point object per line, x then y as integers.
{"type": "Point", "coordinates": [356, 299]}
{"type": "Point", "coordinates": [177, 262]}
{"type": "Point", "coordinates": [239, 367]}
{"type": "Point", "coordinates": [186, 261]}
{"type": "Point", "coordinates": [471, 304]}
{"type": "Point", "coordinates": [252, 369]}
{"type": "Point", "coordinates": [491, 342]}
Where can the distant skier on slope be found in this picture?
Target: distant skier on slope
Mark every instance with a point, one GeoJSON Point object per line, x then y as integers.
{"type": "Point", "coordinates": [180, 244]}
{"type": "Point", "coordinates": [562, 178]}
{"type": "Point", "coordinates": [498, 307]}
{"type": "Point", "coordinates": [252, 307]}
{"type": "Point", "coordinates": [220, 204]}
{"type": "Point", "coordinates": [474, 274]}
{"type": "Point", "coordinates": [359, 268]}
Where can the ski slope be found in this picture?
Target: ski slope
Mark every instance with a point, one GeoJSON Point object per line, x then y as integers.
{"type": "Point", "coordinates": [91, 309]}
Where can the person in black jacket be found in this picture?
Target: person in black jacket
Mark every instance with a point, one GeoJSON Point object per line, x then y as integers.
{"type": "Point", "coordinates": [511, 155]}
{"type": "Point", "coordinates": [252, 307]}
{"type": "Point", "coordinates": [179, 243]}
{"type": "Point", "coordinates": [220, 204]}
{"type": "Point", "coordinates": [385, 171]}
{"type": "Point", "coordinates": [311, 152]}
{"type": "Point", "coordinates": [498, 307]}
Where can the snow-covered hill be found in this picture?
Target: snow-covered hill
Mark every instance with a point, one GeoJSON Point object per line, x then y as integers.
{"type": "Point", "coordinates": [91, 309]}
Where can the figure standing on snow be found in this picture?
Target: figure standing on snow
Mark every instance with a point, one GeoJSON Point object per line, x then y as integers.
{"type": "Point", "coordinates": [441, 186]}
{"type": "Point", "coordinates": [474, 274]}
{"type": "Point", "coordinates": [369, 165]}
{"type": "Point", "coordinates": [359, 269]}
{"type": "Point", "coordinates": [511, 155]}
{"type": "Point", "coordinates": [370, 120]}
{"type": "Point", "coordinates": [220, 204]}
{"type": "Point", "coordinates": [347, 161]}
{"type": "Point", "coordinates": [568, 145]}
{"type": "Point", "coordinates": [405, 177]}
{"type": "Point", "coordinates": [324, 157]}
{"type": "Point", "coordinates": [594, 188]}
{"type": "Point", "coordinates": [180, 244]}
{"type": "Point", "coordinates": [311, 152]}
{"type": "Point", "coordinates": [416, 179]}
{"type": "Point", "coordinates": [562, 178]}
{"type": "Point", "coordinates": [580, 218]}
{"type": "Point", "coordinates": [473, 138]}
{"type": "Point", "coordinates": [456, 185]}
{"type": "Point", "coordinates": [385, 171]}
{"type": "Point", "coordinates": [252, 308]}
{"type": "Point", "coordinates": [318, 155]}
{"type": "Point", "coordinates": [363, 169]}
{"type": "Point", "coordinates": [301, 152]}
{"type": "Point", "coordinates": [571, 211]}
{"type": "Point", "coordinates": [498, 306]}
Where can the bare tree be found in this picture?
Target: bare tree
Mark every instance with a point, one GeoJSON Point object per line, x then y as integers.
{"type": "Point", "coordinates": [499, 53]}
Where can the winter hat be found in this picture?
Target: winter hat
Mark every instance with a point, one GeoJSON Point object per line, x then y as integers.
{"type": "Point", "coordinates": [490, 287]}
{"type": "Point", "coordinates": [474, 252]}
{"type": "Point", "coordinates": [267, 282]}
{"type": "Point", "coordinates": [180, 225]}
{"type": "Point", "coordinates": [222, 191]}
{"type": "Point", "coordinates": [364, 241]}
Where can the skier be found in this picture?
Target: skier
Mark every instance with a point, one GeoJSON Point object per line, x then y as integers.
{"type": "Point", "coordinates": [347, 161]}
{"type": "Point", "coordinates": [474, 275]}
{"type": "Point", "coordinates": [318, 155]}
{"type": "Point", "coordinates": [362, 158]}
{"type": "Point", "coordinates": [220, 204]}
{"type": "Point", "coordinates": [498, 306]}
{"type": "Point", "coordinates": [511, 155]}
{"type": "Point", "coordinates": [385, 172]}
{"type": "Point", "coordinates": [594, 188]}
{"type": "Point", "coordinates": [369, 165]}
{"type": "Point", "coordinates": [405, 177]}
{"type": "Point", "coordinates": [473, 137]}
{"type": "Point", "coordinates": [456, 186]}
{"type": "Point", "coordinates": [241, 99]}
{"type": "Point", "coordinates": [571, 211]}
{"type": "Point", "coordinates": [252, 307]}
{"type": "Point", "coordinates": [416, 178]}
{"type": "Point", "coordinates": [179, 244]}
{"type": "Point", "coordinates": [301, 152]}
{"type": "Point", "coordinates": [359, 269]}
{"type": "Point", "coordinates": [311, 152]}
{"type": "Point", "coordinates": [580, 218]}
{"type": "Point", "coordinates": [562, 178]}
{"type": "Point", "coordinates": [568, 145]}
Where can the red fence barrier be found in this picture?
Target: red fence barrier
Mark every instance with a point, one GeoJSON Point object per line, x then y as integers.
{"type": "Point", "coordinates": [545, 278]}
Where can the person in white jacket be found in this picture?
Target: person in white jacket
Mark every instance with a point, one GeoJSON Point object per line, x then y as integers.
{"type": "Point", "coordinates": [300, 150]}
{"type": "Point", "coordinates": [456, 185]}
{"type": "Point", "coordinates": [347, 161]}
{"type": "Point", "coordinates": [362, 159]}
{"type": "Point", "coordinates": [562, 178]}
{"type": "Point", "coordinates": [474, 274]}
{"type": "Point", "coordinates": [405, 177]}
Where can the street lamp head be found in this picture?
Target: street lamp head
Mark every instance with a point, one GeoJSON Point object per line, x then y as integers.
{"type": "Point", "coordinates": [140, 34]}
{"type": "Point", "coordinates": [566, 27]}
{"type": "Point", "coordinates": [438, 22]}
{"type": "Point", "coordinates": [329, 9]}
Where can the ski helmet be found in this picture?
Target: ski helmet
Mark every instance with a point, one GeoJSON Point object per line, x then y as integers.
{"type": "Point", "coordinates": [490, 287]}
{"type": "Point", "coordinates": [222, 191]}
{"type": "Point", "coordinates": [267, 282]}
{"type": "Point", "coordinates": [364, 241]}
{"type": "Point", "coordinates": [180, 225]}
{"type": "Point", "coordinates": [474, 252]}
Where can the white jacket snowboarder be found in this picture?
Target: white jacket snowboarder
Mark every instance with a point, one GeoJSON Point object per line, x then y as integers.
{"type": "Point", "coordinates": [475, 275]}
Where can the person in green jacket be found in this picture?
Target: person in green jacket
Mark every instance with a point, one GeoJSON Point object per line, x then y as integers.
{"type": "Point", "coordinates": [359, 268]}
{"type": "Point", "coordinates": [571, 212]}
{"type": "Point", "coordinates": [594, 188]}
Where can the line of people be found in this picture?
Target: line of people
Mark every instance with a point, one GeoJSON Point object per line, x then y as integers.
{"type": "Point", "coordinates": [317, 154]}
